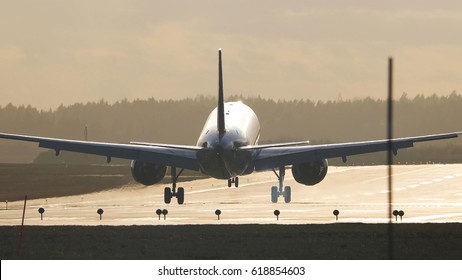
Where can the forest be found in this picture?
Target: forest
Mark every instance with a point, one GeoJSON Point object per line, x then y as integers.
{"type": "Point", "coordinates": [180, 122]}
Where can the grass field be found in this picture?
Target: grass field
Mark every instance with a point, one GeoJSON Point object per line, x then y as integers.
{"type": "Point", "coordinates": [55, 180]}
{"type": "Point", "coordinates": [324, 242]}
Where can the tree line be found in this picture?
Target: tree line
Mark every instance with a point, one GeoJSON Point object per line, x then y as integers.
{"type": "Point", "coordinates": [180, 122]}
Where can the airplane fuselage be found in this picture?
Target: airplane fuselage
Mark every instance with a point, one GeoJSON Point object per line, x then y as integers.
{"type": "Point", "coordinates": [219, 157]}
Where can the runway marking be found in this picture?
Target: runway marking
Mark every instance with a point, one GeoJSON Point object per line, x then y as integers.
{"type": "Point", "coordinates": [273, 182]}
{"type": "Point", "coordinates": [431, 199]}
{"type": "Point", "coordinates": [396, 174]}
{"type": "Point", "coordinates": [368, 193]}
{"type": "Point", "coordinates": [213, 210]}
{"type": "Point", "coordinates": [254, 219]}
{"type": "Point", "coordinates": [360, 211]}
{"type": "Point", "coordinates": [240, 186]}
{"type": "Point", "coordinates": [364, 220]}
{"type": "Point", "coordinates": [433, 217]}
{"type": "Point", "coordinates": [429, 204]}
{"type": "Point", "coordinates": [47, 218]}
{"type": "Point", "coordinates": [448, 177]}
{"type": "Point", "coordinates": [345, 169]}
{"type": "Point", "coordinates": [297, 211]}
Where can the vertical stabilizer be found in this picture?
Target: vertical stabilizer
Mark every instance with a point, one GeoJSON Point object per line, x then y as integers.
{"type": "Point", "coordinates": [221, 102]}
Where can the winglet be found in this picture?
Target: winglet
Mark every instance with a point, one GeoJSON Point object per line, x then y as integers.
{"type": "Point", "coordinates": [221, 102]}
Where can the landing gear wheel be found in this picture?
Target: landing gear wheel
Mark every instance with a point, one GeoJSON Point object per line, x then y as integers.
{"type": "Point", "coordinates": [168, 195]}
{"type": "Point", "coordinates": [234, 181]}
{"type": "Point", "coordinates": [287, 194]}
{"type": "Point", "coordinates": [274, 194]}
{"type": "Point", "coordinates": [180, 195]}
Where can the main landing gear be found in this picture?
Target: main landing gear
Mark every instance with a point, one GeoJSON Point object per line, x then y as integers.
{"type": "Point", "coordinates": [234, 181]}
{"type": "Point", "coordinates": [173, 192]}
{"type": "Point", "coordinates": [285, 192]}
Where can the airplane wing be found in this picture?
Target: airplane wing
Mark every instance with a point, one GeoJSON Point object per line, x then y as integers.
{"type": "Point", "coordinates": [168, 155]}
{"type": "Point", "coordinates": [274, 157]}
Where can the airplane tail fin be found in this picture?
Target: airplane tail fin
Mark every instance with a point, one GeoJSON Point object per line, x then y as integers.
{"type": "Point", "coordinates": [221, 102]}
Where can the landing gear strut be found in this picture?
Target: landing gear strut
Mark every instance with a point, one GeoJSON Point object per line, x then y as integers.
{"type": "Point", "coordinates": [285, 192]}
{"type": "Point", "coordinates": [173, 192]}
{"type": "Point", "coordinates": [234, 181]}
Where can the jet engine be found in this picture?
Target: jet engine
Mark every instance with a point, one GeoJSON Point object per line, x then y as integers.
{"type": "Point", "coordinates": [147, 173]}
{"type": "Point", "coordinates": [310, 173]}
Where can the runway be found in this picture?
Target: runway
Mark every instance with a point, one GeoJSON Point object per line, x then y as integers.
{"type": "Point", "coordinates": [426, 193]}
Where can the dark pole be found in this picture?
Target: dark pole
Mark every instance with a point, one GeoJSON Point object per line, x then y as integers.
{"type": "Point", "coordinates": [22, 226]}
{"type": "Point", "coordinates": [390, 156]}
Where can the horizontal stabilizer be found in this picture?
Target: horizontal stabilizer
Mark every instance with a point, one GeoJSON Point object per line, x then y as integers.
{"type": "Point", "coordinates": [186, 147]}
{"type": "Point", "coordinates": [276, 145]}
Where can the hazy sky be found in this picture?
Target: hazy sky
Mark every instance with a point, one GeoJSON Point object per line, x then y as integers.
{"type": "Point", "coordinates": [56, 52]}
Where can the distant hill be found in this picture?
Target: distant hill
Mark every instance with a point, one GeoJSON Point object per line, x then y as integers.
{"type": "Point", "coordinates": [180, 122]}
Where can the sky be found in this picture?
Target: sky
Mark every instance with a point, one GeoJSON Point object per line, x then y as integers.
{"type": "Point", "coordinates": [55, 52]}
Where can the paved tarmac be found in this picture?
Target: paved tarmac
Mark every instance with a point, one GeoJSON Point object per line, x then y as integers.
{"type": "Point", "coordinates": [426, 194]}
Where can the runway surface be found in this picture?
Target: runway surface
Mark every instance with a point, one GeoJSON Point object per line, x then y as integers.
{"type": "Point", "coordinates": [426, 193]}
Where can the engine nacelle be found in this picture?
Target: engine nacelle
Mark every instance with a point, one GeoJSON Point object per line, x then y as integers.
{"type": "Point", "coordinates": [147, 173]}
{"type": "Point", "coordinates": [310, 173]}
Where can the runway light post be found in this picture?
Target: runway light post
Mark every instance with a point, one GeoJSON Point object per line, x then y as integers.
{"type": "Point", "coordinates": [401, 214]}
{"type": "Point", "coordinates": [100, 213]}
{"type": "Point", "coordinates": [277, 213]}
{"type": "Point", "coordinates": [336, 213]}
{"type": "Point", "coordinates": [396, 213]}
{"type": "Point", "coordinates": [41, 211]}
{"type": "Point", "coordinates": [218, 213]}
{"type": "Point", "coordinates": [164, 212]}
{"type": "Point", "coordinates": [159, 212]}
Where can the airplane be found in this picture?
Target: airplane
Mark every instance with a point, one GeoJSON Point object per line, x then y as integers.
{"type": "Point", "coordinates": [228, 148]}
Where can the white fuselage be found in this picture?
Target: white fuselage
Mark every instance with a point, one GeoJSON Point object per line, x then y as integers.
{"type": "Point", "coordinates": [221, 158]}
